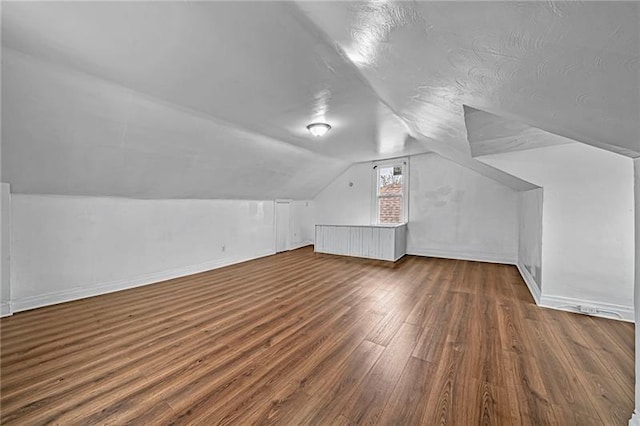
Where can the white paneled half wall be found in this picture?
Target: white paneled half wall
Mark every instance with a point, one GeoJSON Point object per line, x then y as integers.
{"type": "Point", "coordinates": [383, 242]}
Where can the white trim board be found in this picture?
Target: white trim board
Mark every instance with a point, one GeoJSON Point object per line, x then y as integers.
{"type": "Point", "coordinates": [461, 255]}
{"type": "Point", "coordinates": [530, 282]}
{"type": "Point", "coordinates": [545, 301]}
{"type": "Point", "coordinates": [295, 246]}
{"type": "Point", "coordinates": [476, 257]}
{"type": "Point", "coordinates": [565, 304]}
{"type": "Point", "coordinates": [33, 302]}
{"type": "Point", "coordinates": [5, 309]}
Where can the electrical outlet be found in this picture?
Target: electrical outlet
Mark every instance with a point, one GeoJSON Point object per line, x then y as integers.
{"type": "Point", "coordinates": [223, 248]}
{"type": "Point", "coordinates": [588, 309]}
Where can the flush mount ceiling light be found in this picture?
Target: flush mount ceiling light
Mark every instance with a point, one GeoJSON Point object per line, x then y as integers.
{"type": "Point", "coordinates": [318, 129]}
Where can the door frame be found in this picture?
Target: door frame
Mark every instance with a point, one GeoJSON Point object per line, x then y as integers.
{"type": "Point", "coordinates": [275, 224]}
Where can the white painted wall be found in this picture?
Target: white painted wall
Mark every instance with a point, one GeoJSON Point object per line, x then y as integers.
{"type": "Point", "coordinates": [302, 226]}
{"type": "Point", "coordinates": [5, 243]}
{"type": "Point", "coordinates": [453, 211]}
{"type": "Point", "coordinates": [348, 199]}
{"type": "Point", "coordinates": [66, 247]}
{"type": "Point", "coordinates": [530, 205]}
{"type": "Point", "coordinates": [588, 218]}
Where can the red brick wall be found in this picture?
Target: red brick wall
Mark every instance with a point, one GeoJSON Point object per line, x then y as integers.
{"type": "Point", "coordinates": [390, 209]}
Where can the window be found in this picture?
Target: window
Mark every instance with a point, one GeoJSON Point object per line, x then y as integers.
{"type": "Point", "coordinates": [390, 190]}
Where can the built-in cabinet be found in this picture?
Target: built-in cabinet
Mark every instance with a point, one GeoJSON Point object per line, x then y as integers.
{"type": "Point", "coordinates": [384, 242]}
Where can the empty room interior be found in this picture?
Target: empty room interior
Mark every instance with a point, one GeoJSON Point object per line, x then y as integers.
{"type": "Point", "coordinates": [324, 213]}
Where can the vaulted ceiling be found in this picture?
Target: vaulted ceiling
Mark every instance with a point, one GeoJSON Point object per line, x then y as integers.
{"type": "Point", "coordinates": [211, 99]}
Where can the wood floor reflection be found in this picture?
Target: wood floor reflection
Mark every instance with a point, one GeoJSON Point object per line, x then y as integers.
{"type": "Point", "coordinates": [303, 338]}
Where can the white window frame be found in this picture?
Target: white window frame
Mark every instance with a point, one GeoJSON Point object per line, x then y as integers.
{"type": "Point", "coordinates": [377, 165]}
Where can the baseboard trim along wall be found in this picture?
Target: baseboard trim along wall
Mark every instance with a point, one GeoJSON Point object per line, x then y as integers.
{"type": "Point", "coordinates": [530, 282]}
{"type": "Point", "coordinates": [604, 310]}
{"type": "Point", "coordinates": [460, 255]}
{"type": "Point", "coordinates": [5, 309]}
{"type": "Point", "coordinates": [296, 246]}
{"type": "Point", "coordinates": [27, 303]}
{"type": "Point", "coordinates": [481, 257]}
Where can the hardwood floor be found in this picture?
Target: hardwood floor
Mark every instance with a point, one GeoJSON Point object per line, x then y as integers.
{"type": "Point", "coordinates": [303, 338]}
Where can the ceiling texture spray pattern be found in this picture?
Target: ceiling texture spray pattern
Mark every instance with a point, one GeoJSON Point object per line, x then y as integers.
{"type": "Point", "coordinates": [571, 68]}
{"type": "Point", "coordinates": [213, 98]}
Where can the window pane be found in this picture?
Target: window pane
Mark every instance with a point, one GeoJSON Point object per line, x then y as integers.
{"type": "Point", "coordinates": [390, 181]}
{"type": "Point", "coordinates": [390, 209]}
{"type": "Point", "coordinates": [389, 187]}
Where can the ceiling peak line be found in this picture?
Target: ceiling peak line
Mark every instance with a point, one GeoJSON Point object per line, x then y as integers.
{"type": "Point", "coordinates": [324, 37]}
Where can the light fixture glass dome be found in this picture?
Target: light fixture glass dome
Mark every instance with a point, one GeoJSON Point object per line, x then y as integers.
{"type": "Point", "coordinates": [318, 129]}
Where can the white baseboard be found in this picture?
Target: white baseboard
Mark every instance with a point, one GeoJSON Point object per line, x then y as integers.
{"type": "Point", "coordinates": [530, 282]}
{"type": "Point", "coordinates": [38, 301]}
{"type": "Point", "coordinates": [626, 313]}
{"type": "Point", "coordinates": [635, 419]}
{"type": "Point", "coordinates": [300, 245]}
{"type": "Point", "coordinates": [565, 304]}
{"type": "Point", "coordinates": [5, 309]}
{"type": "Point", "coordinates": [461, 255]}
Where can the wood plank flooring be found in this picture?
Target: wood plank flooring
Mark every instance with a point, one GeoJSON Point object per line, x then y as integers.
{"type": "Point", "coordinates": [304, 338]}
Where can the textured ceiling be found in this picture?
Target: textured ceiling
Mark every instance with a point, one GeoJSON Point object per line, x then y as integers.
{"type": "Point", "coordinates": [157, 99]}
{"type": "Point", "coordinates": [571, 68]}
{"type": "Point", "coordinates": [491, 134]}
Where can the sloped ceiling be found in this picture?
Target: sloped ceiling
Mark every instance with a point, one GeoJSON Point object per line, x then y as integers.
{"type": "Point", "coordinates": [491, 134]}
{"type": "Point", "coordinates": [571, 68]}
{"type": "Point", "coordinates": [73, 134]}
{"type": "Point", "coordinates": [211, 99]}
